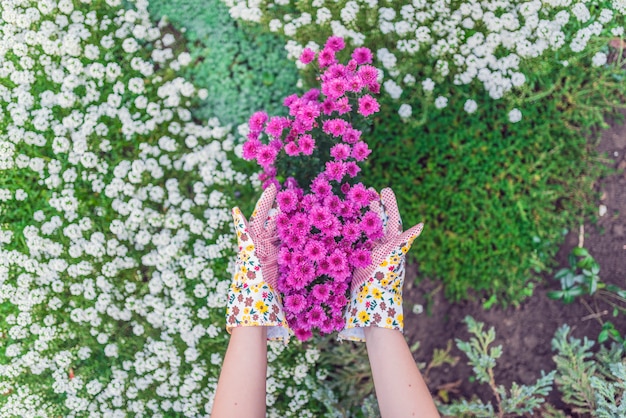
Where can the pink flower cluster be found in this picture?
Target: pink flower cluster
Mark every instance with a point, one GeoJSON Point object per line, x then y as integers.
{"type": "Point", "coordinates": [327, 231]}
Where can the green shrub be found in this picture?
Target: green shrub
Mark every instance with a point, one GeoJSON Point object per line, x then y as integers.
{"type": "Point", "coordinates": [243, 68]}
{"type": "Point", "coordinates": [495, 196]}
{"type": "Point", "coordinates": [518, 400]}
{"type": "Point", "coordinates": [591, 383]}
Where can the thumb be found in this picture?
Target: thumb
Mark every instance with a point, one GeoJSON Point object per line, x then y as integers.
{"type": "Point", "coordinates": [409, 235]}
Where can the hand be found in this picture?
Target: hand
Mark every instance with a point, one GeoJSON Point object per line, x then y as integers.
{"type": "Point", "coordinates": [376, 291]}
{"type": "Point", "coordinates": [252, 299]}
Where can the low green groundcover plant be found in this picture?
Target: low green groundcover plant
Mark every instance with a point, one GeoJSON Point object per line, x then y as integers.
{"type": "Point", "coordinates": [242, 67]}
{"type": "Point", "coordinates": [115, 231]}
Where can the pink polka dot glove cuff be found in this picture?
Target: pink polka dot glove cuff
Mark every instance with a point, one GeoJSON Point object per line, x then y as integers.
{"type": "Point", "coordinates": [252, 300]}
{"type": "Point", "coordinates": [376, 292]}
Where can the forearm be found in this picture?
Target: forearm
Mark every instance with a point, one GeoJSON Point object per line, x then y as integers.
{"type": "Point", "coordinates": [400, 388]}
{"type": "Point", "coordinates": [241, 386]}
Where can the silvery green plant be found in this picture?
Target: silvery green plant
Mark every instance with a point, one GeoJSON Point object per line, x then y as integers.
{"type": "Point", "coordinates": [518, 400]}
{"type": "Point", "coordinates": [115, 239]}
{"type": "Point", "coordinates": [590, 383]}
{"type": "Point", "coordinates": [431, 50]}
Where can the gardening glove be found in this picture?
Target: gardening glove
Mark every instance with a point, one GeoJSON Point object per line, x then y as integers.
{"type": "Point", "coordinates": [252, 298]}
{"type": "Point", "coordinates": [376, 291]}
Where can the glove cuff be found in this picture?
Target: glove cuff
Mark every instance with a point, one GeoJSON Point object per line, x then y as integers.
{"type": "Point", "coordinates": [256, 305]}
{"type": "Point", "coordinates": [252, 302]}
{"type": "Point", "coordinates": [374, 305]}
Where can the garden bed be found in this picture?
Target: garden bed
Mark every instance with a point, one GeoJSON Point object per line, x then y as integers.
{"type": "Point", "coordinates": [526, 331]}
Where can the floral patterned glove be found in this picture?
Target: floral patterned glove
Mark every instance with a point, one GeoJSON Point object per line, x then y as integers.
{"type": "Point", "coordinates": [376, 291]}
{"type": "Point", "coordinates": [252, 300]}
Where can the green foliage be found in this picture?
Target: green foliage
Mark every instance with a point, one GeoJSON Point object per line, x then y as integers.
{"type": "Point", "coordinates": [243, 68]}
{"type": "Point", "coordinates": [591, 383]}
{"type": "Point", "coordinates": [609, 395]}
{"type": "Point", "coordinates": [519, 400]}
{"type": "Point", "coordinates": [349, 378]}
{"type": "Point", "coordinates": [482, 358]}
{"type": "Point", "coordinates": [575, 283]}
{"type": "Point", "coordinates": [494, 196]}
{"type": "Point", "coordinates": [582, 278]}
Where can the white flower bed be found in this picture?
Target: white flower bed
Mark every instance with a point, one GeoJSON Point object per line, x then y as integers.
{"type": "Point", "coordinates": [115, 236]}
{"type": "Point", "coordinates": [454, 43]}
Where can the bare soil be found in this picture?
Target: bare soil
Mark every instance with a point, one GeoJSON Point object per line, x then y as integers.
{"type": "Point", "coordinates": [525, 332]}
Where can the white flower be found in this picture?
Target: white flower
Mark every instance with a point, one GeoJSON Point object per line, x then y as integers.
{"type": "Point", "coordinates": [599, 59]}
{"type": "Point", "coordinates": [405, 110]}
{"type": "Point", "coordinates": [428, 85]}
{"type": "Point", "coordinates": [581, 12]}
{"type": "Point", "coordinates": [515, 115]}
{"type": "Point", "coordinates": [394, 90]}
{"type": "Point", "coordinates": [470, 106]}
{"type": "Point", "coordinates": [441, 102]}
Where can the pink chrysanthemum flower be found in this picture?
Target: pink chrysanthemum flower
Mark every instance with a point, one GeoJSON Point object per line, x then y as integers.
{"type": "Point", "coordinates": [362, 55]}
{"type": "Point", "coordinates": [257, 120]}
{"type": "Point", "coordinates": [351, 136]}
{"type": "Point", "coordinates": [314, 250]}
{"type": "Point", "coordinates": [332, 228]}
{"type": "Point", "coordinates": [340, 151]}
{"type": "Point", "coordinates": [328, 106]}
{"type": "Point", "coordinates": [285, 256]}
{"type": "Point", "coordinates": [334, 71]}
{"type": "Point", "coordinates": [354, 84]}
{"type": "Point", "coordinates": [275, 126]}
{"type": "Point", "coordinates": [321, 292]}
{"type": "Point", "coordinates": [360, 258]}
{"type": "Point", "coordinates": [311, 96]}
{"type": "Point", "coordinates": [326, 57]}
{"type": "Point", "coordinates": [266, 155]}
{"type": "Point", "coordinates": [352, 169]}
{"type": "Point", "coordinates": [251, 149]}
{"type": "Point", "coordinates": [335, 43]}
{"type": "Point", "coordinates": [335, 127]}
{"type": "Point", "coordinates": [307, 55]}
{"type": "Point", "coordinates": [320, 216]}
{"type": "Point", "coordinates": [306, 144]}
{"type": "Point", "coordinates": [351, 232]}
{"type": "Point", "coordinates": [337, 260]}
{"type": "Point", "coordinates": [302, 334]}
{"type": "Point", "coordinates": [288, 101]}
{"type": "Point", "coordinates": [368, 105]}
{"type": "Point", "coordinates": [359, 195]}
{"type": "Point", "coordinates": [316, 316]}
{"type": "Point", "coordinates": [295, 303]}
{"type": "Point", "coordinates": [368, 73]}
{"type": "Point", "coordinates": [291, 149]}
{"type": "Point", "coordinates": [372, 225]}
{"type": "Point", "coordinates": [343, 106]}
{"type": "Point", "coordinates": [374, 87]}
{"type": "Point", "coordinates": [335, 88]}
{"type": "Point", "coordinates": [333, 203]}
{"type": "Point", "coordinates": [321, 187]}
{"type": "Point", "coordinates": [300, 223]}
{"type": "Point", "coordinates": [287, 200]}
{"type": "Point", "coordinates": [335, 170]}
{"type": "Point", "coordinates": [360, 151]}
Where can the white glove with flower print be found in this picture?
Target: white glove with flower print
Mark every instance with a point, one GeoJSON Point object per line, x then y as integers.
{"type": "Point", "coordinates": [376, 291]}
{"type": "Point", "coordinates": [252, 298]}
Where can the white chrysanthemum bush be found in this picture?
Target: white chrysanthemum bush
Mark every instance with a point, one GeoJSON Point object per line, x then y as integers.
{"type": "Point", "coordinates": [433, 50]}
{"type": "Point", "coordinates": [116, 244]}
